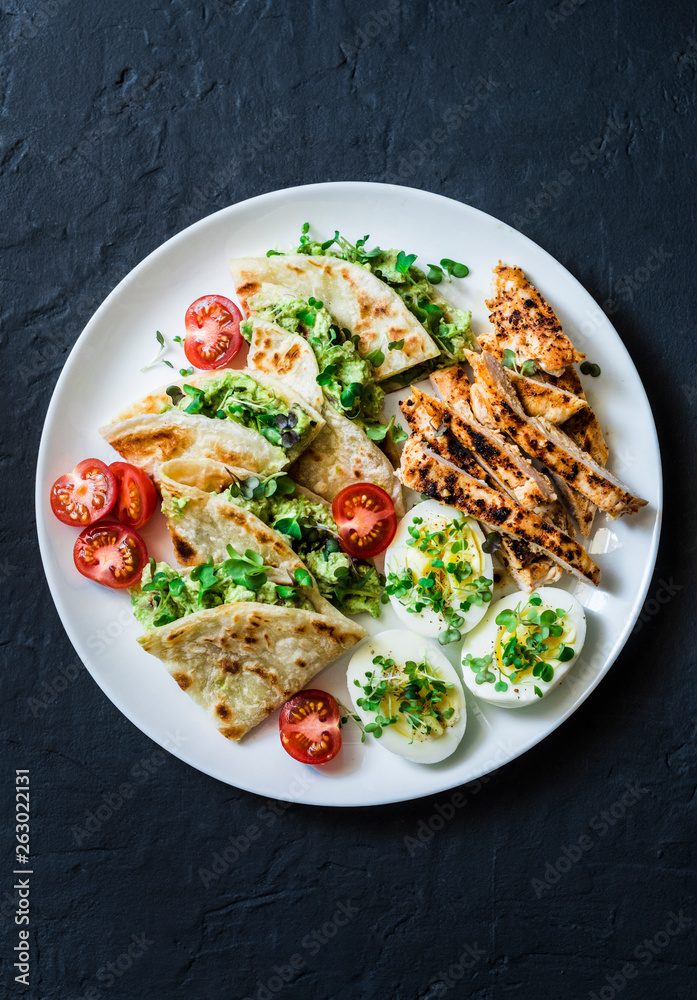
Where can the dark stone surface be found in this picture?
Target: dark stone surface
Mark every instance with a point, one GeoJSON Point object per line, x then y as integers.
{"type": "Point", "coordinates": [121, 123]}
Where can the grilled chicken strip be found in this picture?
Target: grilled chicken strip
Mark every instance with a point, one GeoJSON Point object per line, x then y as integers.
{"type": "Point", "coordinates": [584, 430]}
{"type": "Point", "coordinates": [529, 568]}
{"type": "Point", "coordinates": [498, 457]}
{"type": "Point", "coordinates": [435, 425]}
{"type": "Point", "coordinates": [543, 399]}
{"type": "Point", "coordinates": [548, 443]}
{"type": "Point", "coordinates": [429, 475]}
{"type": "Point", "coordinates": [525, 323]}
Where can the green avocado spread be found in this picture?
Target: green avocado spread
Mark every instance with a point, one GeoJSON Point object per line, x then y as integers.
{"type": "Point", "coordinates": [450, 328]}
{"type": "Point", "coordinates": [347, 380]}
{"type": "Point", "coordinates": [165, 595]}
{"type": "Point", "coordinates": [232, 395]}
{"type": "Point", "coordinates": [352, 585]}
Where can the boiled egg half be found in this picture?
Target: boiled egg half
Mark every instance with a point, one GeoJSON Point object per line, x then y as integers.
{"type": "Point", "coordinates": [408, 695]}
{"type": "Point", "coordinates": [523, 647]}
{"type": "Point", "coordinates": [438, 577]}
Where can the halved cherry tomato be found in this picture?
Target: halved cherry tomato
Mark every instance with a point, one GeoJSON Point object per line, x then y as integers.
{"type": "Point", "coordinates": [309, 725]}
{"type": "Point", "coordinates": [111, 554]}
{"type": "Point", "coordinates": [212, 332]}
{"type": "Point", "coordinates": [137, 497]}
{"type": "Point", "coordinates": [366, 519]}
{"type": "Point", "coordinates": [87, 493]}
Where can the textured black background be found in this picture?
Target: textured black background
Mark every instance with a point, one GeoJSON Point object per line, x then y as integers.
{"type": "Point", "coordinates": [121, 124]}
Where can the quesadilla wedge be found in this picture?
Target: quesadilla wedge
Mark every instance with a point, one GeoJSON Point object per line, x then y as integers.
{"type": "Point", "coordinates": [244, 417]}
{"type": "Point", "coordinates": [209, 506]}
{"type": "Point", "coordinates": [237, 643]}
{"type": "Point", "coordinates": [359, 301]}
{"type": "Point", "coordinates": [342, 454]}
{"type": "Point", "coordinates": [287, 356]}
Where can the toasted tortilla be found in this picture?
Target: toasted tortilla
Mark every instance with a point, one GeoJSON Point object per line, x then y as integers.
{"type": "Point", "coordinates": [243, 661]}
{"type": "Point", "coordinates": [287, 356]}
{"type": "Point", "coordinates": [206, 523]}
{"type": "Point", "coordinates": [342, 454]}
{"type": "Point", "coordinates": [353, 295]}
{"type": "Point", "coordinates": [147, 437]}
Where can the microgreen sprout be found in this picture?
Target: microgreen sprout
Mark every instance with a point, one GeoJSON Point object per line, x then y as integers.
{"type": "Point", "coordinates": [159, 359]}
{"type": "Point", "coordinates": [492, 542]}
{"type": "Point", "coordinates": [445, 548]}
{"type": "Point", "coordinates": [530, 639]}
{"type": "Point", "coordinates": [418, 691]}
{"type": "Point", "coordinates": [378, 432]}
{"type": "Point", "coordinates": [509, 360]}
{"type": "Point", "coordinates": [448, 269]}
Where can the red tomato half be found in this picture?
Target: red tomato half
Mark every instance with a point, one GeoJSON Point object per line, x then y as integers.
{"type": "Point", "coordinates": [87, 493]}
{"type": "Point", "coordinates": [366, 519]}
{"type": "Point", "coordinates": [213, 335]}
{"type": "Point", "coordinates": [111, 554]}
{"type": "Point", "coordinates": [309, 725]}
{"type": "Point", "coordinates": [137, 497]}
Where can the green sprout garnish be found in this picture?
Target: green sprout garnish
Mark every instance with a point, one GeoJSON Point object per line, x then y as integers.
{"type": "Point", "coordinates": [448, 268]}
{"type": "Point", "coordinates": [509, 360]}
{"type": "Point", "coordinates": [378, 432]}
{"type": "Point", "coordinates": [416, 593]}
{"type": "Point", "coordinates": [419, 691]}
{"type": "Point", "coordinates": [158, 359]}
{"type": "Point", "coordinates": [533, 653]}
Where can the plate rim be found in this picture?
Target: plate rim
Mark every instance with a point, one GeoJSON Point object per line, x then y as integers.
{"type": "Point", "coordinates": [43, 536]}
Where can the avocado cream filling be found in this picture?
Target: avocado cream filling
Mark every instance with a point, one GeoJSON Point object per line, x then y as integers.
{"type": "Point", "coordinates": [450, 328]}
{"type": "Point", "coordinates": [352, 585]}
{"type": "Point", "coordinates": [232, 395]}
{"type": "Point", "coordinates": [347, 380]}
{"type": "Point", "coordinates": [166, 595]}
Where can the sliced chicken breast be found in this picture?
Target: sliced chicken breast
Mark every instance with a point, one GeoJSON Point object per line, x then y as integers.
{"type": "Point", "coordinates": [550, 444]}
{"type": "Point", "coordinates": [423, 471]}
{"type": "Point", "coordinates": [524, 322]}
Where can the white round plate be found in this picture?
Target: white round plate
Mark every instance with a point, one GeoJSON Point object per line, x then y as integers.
{"type": "Point", "coordinates": [102, 374]}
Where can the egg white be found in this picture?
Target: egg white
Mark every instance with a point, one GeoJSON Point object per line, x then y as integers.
{"type": "Point", "coordinates": [402, 646]}
{"type": "Point", "coordinates": [400, 556]}
{"type": "Point", "coordinates": [481, 641]}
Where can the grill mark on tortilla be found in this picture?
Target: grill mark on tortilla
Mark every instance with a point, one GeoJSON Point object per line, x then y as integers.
{"type": "Point", "coordinates": [233, 732]}
{"type": "Point", "coordinates": [184, 551]}
{"type": "Point", "coordinates": [231, 667]}
{"type": "Point", "coordinates": [183, 680]}
{"type": "Point", "coordinates": [222, 711]}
